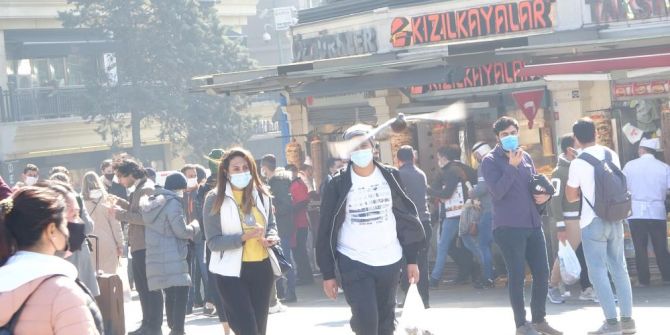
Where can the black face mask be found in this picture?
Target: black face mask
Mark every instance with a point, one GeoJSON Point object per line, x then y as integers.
{"type": "Point", "coordinates": [77, 235]}
{"type": "Point", "coordinates": [109, 176]}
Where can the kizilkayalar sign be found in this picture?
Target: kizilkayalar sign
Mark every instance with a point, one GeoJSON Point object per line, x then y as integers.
{"type": "Point", "coordinates": [496, 19]}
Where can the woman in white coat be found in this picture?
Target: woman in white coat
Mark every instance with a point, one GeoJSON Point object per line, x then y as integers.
{"type": "Point", "coordinates": [240, 230]}
{"type": "Point", "coordinates": [107, 228]}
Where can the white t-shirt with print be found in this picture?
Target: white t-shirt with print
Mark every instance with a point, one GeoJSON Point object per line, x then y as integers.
{"type": "Point", "coordinates": [582, 176]}
{"type": "Point", "coordinates": [368, 234]}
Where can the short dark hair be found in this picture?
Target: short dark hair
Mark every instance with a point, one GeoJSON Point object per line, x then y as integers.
{"type": "Point", "coordinates": [105, 164]}
{"type": "Point", "coordinates": [584, 130]}
{"type": "Point", "coordinates": [31, 167]}
{"type": "Point", "coordinates": [406, 154]}
{"type": "Point", "coordinates": [292, 168]}
{"type": "Point", "coordinates": [451, 152]}
{"type": "Point", "coordinates": [187, 167]}
{"type": "Point", "coordinates": [200, 172]}
{"type": "Point", "coordinates": [269, 161]}
{"type": "Point", "coordinates": [129, 167]}
{"type": "Point", "coordinates": [567, 141]}
{"type": "Point", "coordinates": [332, 161]}
{"type": "Point", "coordinates": [504, 123]}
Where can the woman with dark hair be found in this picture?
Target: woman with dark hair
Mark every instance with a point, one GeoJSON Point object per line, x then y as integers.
{"type": "Point", "coordinates": [108, 230]}
{"type": "Point", "coordinates": [80, 224]}
{"type": "Point", "coordinates": [240, 229]}
{"type": "Point", "coordinates": [39, 291]}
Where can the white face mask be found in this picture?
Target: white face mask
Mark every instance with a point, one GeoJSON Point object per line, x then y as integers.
{"type": "Point", "coordinates": [179, 193]}
{"type": "Point", "coordinates": [95, 194]}
{"type": "Point", "coordinates": [30, 181]}
{"type": "Point", "coordinates": [191, 182]}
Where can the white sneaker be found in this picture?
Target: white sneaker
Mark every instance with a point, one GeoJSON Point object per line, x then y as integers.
{"type": "Point", "coordinates": [588, 295]}
{"type": "Point", "coordinates": [278, 308]}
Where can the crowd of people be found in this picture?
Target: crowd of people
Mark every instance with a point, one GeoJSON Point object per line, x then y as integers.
{"type": "Point", "coordinates": [236, 240]}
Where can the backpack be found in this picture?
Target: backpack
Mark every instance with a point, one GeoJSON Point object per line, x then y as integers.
{"type": "Point", "coordinates": [612, 201]}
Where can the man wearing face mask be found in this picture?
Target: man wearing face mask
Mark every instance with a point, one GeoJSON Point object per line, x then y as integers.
{"type": "Point", "coordinates": [368, 223]}
{"type": "Point", "coordinates": [111, 185]}
{"type": "Point", "coordinates": [517, 227]}
{"type": "Point", "coordinates": [132, 175]}
{"type": "Point", "coordinates": [30, 176]}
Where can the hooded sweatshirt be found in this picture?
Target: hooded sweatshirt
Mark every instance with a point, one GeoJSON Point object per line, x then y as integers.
{"type": "Point", "coordinates": [58, 305]}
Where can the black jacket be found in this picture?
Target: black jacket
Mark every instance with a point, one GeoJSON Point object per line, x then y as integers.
{"type": "Point", "coordinates": [408, 226]}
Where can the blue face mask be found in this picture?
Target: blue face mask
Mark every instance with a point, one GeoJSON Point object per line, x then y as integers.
{"type": "Point", "coordinates": [240, 180]}
{"type": "Point", "coordinates": [510, 142]}
{"type": "Point", "coordinates": [362, 158]}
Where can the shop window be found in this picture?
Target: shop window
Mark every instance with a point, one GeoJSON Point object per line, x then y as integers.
{"type": "Point", "coordinates": [75, 70]}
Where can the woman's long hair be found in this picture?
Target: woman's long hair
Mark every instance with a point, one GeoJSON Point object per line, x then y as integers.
{"type": "Point", "coordinates": [223, 178]}
{"type": "Point", "coordinates": [90, 182]}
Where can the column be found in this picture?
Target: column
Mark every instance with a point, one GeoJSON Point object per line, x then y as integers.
{"type": "Point", "coordinates": [3, 62]}
{"type": "Point", "coordinates": [567, 100]}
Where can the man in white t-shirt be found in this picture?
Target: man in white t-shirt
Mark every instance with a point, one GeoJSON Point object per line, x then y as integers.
{"type": "Point", "coordinates": [368, 224]}
{"type": "Point", "coordinates": [602, 241]}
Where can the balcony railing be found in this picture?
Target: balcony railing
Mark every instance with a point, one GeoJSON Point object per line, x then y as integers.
{"type": "Point", "coordinates": [39, 104]}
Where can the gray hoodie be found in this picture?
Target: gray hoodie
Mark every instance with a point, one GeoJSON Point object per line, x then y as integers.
{"type": "Point", "coordinates": [166, 236]}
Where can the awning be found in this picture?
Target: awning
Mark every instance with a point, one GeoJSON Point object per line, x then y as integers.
{"type": "Point", "coordinates": [595, 65]}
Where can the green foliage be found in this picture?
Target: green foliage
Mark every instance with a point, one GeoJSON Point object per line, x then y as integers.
{"type": "Point", "coordinates": [160, 46]}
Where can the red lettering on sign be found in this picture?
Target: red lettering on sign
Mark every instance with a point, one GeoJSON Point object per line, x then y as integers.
{"type": "Point", "coordinates": [473, 22]}
{"type": "Point", "coordinates": [501, 19]}
{"type": "Point", "coordinates": [418, 28]}
{"type": "Point", "coordinates": [513, 19]}
{"type": "Point", "coordinates": [525, 15]}
{"type": "Point", "coordinates": [434, 24]}
{"type": "Point", "coordinates": [486, 13]}
{"type": "Point", "coordinates": [462, 29]}
{"type": "Point", "coordinates": [539, 13]}
{"type": "Point", "coordinates": [450, 22]}
{"type": "Point", "coordinates": [467, 80]}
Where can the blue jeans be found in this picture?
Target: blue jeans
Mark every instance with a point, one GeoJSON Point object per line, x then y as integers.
{"type": "Point", "coordinates": [520, 246]}
{"type": "Point", "coordinates": [447, 234]}
{"type": "Point", "coordinates": [604, 250]}
{"type": "Point", "coordinates": [198, 274]}
{"type": "Point", "coordinates": [286, 284]}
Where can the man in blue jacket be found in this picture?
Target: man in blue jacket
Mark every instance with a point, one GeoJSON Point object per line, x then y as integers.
{"type": "Point", "coordinates": [517, 228]}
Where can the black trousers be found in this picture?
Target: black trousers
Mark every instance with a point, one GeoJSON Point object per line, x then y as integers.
{"type": "Point", "coordinates": [247, 298]}
{"type": "Point", "coordinates": [213, 293]}
{"type": "Point", "coordinates": [642, 231]}
{"type": "Point", "coordinates": [370, 292]}
{"type": "Point", "coordinates": [424, 273]}
{"type": "Point", "coordinates": [520, 246]}
{"type": "Point", "coordinates": [151, 301]}
{"type": "Point", "coordinates": [304, 271]}
{"type": "Point", "coordinates": [175, 307]}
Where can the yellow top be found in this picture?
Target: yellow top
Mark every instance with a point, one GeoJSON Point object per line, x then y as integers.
{"type": "Point", "coordinates": [253, 250]}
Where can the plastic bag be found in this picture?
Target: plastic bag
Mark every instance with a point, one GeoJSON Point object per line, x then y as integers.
{"type": "Point", "coordinates": [569, 264]}
{"type": "Point", "coordinates": [413, 318]}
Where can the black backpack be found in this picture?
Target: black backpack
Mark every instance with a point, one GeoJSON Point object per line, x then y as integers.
{"type": "Point", "coordinates": [612, 201]}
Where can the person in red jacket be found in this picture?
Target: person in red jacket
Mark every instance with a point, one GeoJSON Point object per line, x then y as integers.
{"type": "Point", "coordinates": [300, 199]}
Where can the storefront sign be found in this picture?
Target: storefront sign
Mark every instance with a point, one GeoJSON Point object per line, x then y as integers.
{"type": "Point", "coordinates": [335, 45]}
{"type": "Point", "coordinates": [603, 11]}
{"type": "Point", "coordinates": [642, 88]}
{"type": "Point", "coordinates": [529, 102]}
{"type": "Point", "coordinates": [479, 76]}
{"type": "Point", "coordinates": [471, 23]}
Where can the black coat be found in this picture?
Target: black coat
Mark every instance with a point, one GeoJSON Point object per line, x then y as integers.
{"type": "Point", "coordinates": [408, 226]}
